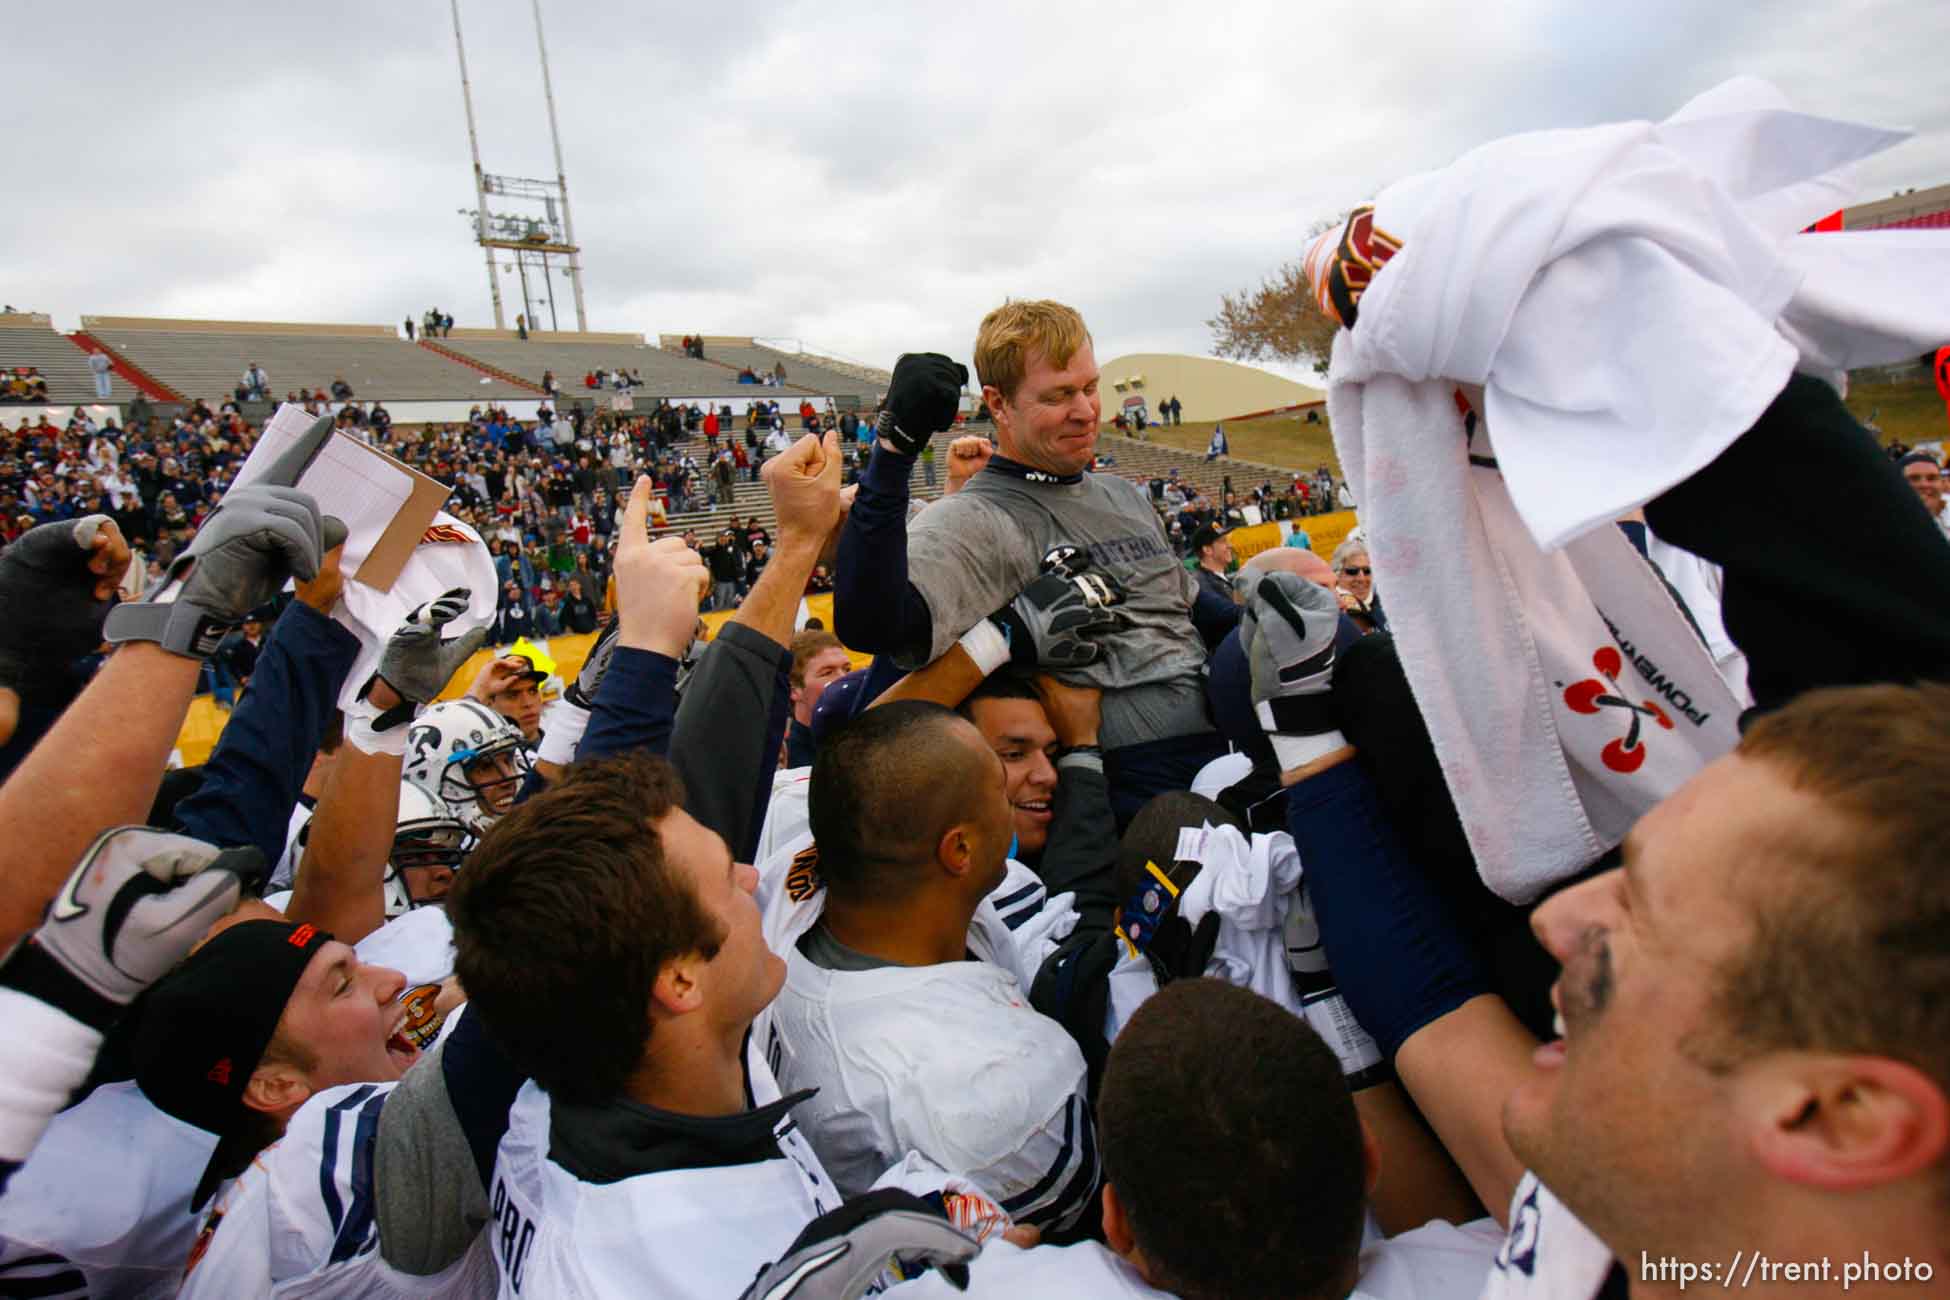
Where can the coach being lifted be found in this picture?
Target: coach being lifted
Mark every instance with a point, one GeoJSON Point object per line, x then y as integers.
{"type": "Point", "coordinates": [912, 592]}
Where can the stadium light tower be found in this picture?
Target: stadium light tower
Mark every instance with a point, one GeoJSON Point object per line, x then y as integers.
{"type": "Point", "coordinates": [537, 239]}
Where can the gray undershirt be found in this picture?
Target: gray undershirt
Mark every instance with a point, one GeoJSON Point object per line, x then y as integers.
{"type": "Point", "coordinates": [828, 953]}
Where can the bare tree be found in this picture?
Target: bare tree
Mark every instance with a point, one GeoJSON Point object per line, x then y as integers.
{"type": "Point", "coordinates": [1279, 320]}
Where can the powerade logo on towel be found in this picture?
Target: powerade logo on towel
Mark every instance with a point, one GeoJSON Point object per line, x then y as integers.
{"type": "Point", "coordinates": [1040, 476]}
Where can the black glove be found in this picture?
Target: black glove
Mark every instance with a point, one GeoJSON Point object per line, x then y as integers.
{"type": "Point", "coordinates": [923, 399]}
{"type": "Point", "coordinates": [1057, 621]}
{"type": "Point", "coordinates": [49, 616]}
{"type": "Point", "coordinates": [842, 1253]}
{"type": "Point", "coordinates": [1178, 952]}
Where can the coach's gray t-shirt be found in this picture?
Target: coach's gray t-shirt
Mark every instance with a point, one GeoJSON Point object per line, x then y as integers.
{"type": "Point", "coordinates": [972, 553]}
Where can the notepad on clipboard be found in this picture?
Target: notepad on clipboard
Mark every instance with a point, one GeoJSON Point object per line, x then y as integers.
{"type": "Point", "coordinates": [385, 504]}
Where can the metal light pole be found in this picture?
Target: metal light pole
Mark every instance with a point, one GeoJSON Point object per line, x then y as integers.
{"type": "Point", "coordinates": [561, 177]}
{"type": "Point", "coordinates": [480, 187]}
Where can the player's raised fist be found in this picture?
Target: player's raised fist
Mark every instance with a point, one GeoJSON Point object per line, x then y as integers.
{"type": "Point", "coordinates": [923, 398]}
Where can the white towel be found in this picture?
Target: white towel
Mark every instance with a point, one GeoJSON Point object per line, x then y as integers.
{"type": "Point", "coordinates": [1630, 298]}
{"type": "Point", "coordinates": [450, 554]}
{"type": "Point", "coordinates": [1508, 654]}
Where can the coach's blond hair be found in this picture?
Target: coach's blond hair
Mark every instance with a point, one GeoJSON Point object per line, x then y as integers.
{"type": "Point", "coordinates": [1008, 333]}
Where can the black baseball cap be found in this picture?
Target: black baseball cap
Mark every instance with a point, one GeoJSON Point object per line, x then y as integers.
{"type": "Point", "coordinates": [533, 673]}
{"type": "Point", "coordinates": [1205, 536]}
{"type": "Point", "coordinates": [201, 1031]}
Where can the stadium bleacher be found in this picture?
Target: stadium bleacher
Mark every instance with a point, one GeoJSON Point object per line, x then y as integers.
{"type": "Point", "coordinates": [29, 339]}
{"type": "Point", "coordinates": [207, 358]}
{"type": "Point", "coordinates": [571, 356]}
{"type": "Point", "coordinates": [804, 373]}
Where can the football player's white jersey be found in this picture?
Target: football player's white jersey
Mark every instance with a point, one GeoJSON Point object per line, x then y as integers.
{"type": "Point", "coordinates": [1435, 1262]}
{"type": "Point", "coordinates": [790, 900]}
{"type": "Point", "coordinates": [300, 1221]}
{"type": "Point", "coordinates": [1000, 1099]}
{"type": "Point", "coordinates": [788, 819]}
{"type": "Point", "coordinates": [1547, 1252]}
{"type": "Point", "coordinates": [677, 1232]}
{"type": "Point", "coordinates": [102, 1207]}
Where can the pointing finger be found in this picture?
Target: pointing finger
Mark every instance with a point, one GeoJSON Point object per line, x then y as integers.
{"type": "Point", "coordinates": [636, 515]}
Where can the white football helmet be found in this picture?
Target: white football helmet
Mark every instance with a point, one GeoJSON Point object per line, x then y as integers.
{"type": "Point", "coordinates": [429, 839]}
{"type": "Point", "coordinates": [468, 758]}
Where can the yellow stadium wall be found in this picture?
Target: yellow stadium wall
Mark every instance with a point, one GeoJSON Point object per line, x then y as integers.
{"type": "Point", "coordinates": [206, 720]}
{"type": "Point", "coordinates": [1325, 531]}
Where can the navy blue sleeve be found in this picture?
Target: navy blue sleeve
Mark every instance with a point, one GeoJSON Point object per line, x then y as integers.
{"type": "Point", "coordinates": [1397, 950]}
{"type": "Point", "coordinates": [729, 731]}
{"type": "Point", "coordinates": [253, 778]}
{"type": "Point", "coordinates": [1214, 616]}
{"type": "Point", "coordinates": [875, 608]}
{"type": "Point", "coordinates": [636, 706]}
{"type": "Point", "coordinates": [481, 1086]}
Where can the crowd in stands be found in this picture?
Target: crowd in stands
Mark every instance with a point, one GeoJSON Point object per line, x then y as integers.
{"type": "Point", "coordinates": [1123, 928]}
{"type": "Point", "coordinates": [619, 379]}
{"type": "Point", "coordinates": [433, 324]}
{"type": "Point", "coordinates": [22, 384]}
{"type": "Point", "coordinates": [774, 378]}
{"type": "Point", "coordinates": [1137, 419]}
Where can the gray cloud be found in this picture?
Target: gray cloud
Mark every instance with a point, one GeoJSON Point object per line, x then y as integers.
{"type": "Point", "coordinates": [866, 178]}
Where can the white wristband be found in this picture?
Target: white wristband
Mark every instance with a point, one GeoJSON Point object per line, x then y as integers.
{"type": "Point", "coordinates": [49, 1056]}
{"type": "Point", "coordinates": [986, 645]}
{"type": "Point", "coordinates": [1295, 751]}
{"type": "Point", "coordinates": [563, 734]}
{"type": "Point", "coordinates": [360, 734]}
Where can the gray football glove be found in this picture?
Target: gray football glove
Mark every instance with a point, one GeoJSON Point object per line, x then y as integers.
{"type": "Point", "coordinates": [416, 663]}
{"type": "Point", "coordinates": [260, 536]}
{"type": "Point", "coordinates": [843, 1253]}
{"type": "Point", "coordinates": [1287, 633]}
{"type": "Point", "coordinates": [134, 907]}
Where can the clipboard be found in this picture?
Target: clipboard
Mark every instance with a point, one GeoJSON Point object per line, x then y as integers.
{"type": "Point", "coordinates": [386, 504]}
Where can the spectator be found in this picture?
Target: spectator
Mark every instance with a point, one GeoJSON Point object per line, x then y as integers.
{"type": "Point", "coordinates": [1214, 552]}
{"type": "Point", "coordinates": [727, 566]}
{"type": "Point", "coordinates": [1354, 573]}
{"type": "Point", "coordinates": [99, 367]}
{"type": "Point", "coordinates": [1925, 476]}
{"type": "Point", "coordinates": [818, 660]}
{"type": "Point", "coordinates": [548, 614]}
{"type": "Point", "coordinates": [578, 612]}
{"type": "Point", "coordinates": [512, 620]}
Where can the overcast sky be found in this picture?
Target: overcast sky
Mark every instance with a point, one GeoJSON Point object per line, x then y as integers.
{"type": "Point", "coordinates": [866, 178]}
